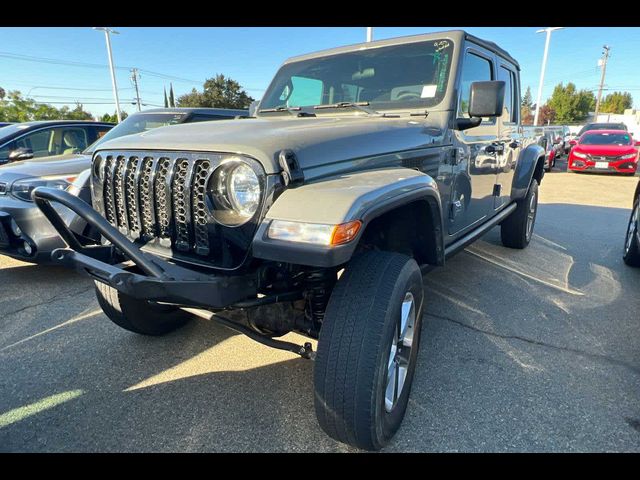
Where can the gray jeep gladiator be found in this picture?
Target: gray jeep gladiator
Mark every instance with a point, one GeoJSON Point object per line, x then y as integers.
{"type": "Point", "coordinates": [364, 167]}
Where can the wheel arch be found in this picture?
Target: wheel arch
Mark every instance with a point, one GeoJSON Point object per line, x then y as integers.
{"type": "Point", "coordinates": [530, 165]}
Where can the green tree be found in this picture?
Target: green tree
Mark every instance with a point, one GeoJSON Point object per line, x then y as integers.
{"type": "Point", "coordinates": [172, 101]}
{"type": "Point", "coordinates": [617, 102]}
{"type": "Point", "coordinates": [113, 118]}
{"type": "Point", "coordinates": [218, 92]}
{"type": "Point", "coordinates": [527, 99]}
{"type": "Point", "coordinates": [15, 108]}
{"type": "Point", "coordinates": [569, 104]}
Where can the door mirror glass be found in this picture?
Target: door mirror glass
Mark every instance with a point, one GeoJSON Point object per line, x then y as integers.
{"type": "Point", "coordinates": [486, 99]}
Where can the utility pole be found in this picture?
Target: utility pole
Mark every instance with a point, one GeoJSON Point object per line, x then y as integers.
{"type": "Point", "coordinates": [107, 31]}
{"type": "Point", "coordinates": [134, 79]}
{"type": "Point", "coordinates": [369, 34]}
{"type": "Point", "coordinates": [605, 57]}
{"type": "Point", "coordinates": [544, 66]}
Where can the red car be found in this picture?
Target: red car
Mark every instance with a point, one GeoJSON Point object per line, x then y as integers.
{"type": "Point", "coordinates": [604, 151]}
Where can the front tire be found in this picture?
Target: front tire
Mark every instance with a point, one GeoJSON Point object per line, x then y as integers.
{"type": "Point", "coordinates": [516, 231]}
{"type": "Point", "coordinates": [139, 316]}
{"type": "Point", "coordinates": [631, 247]}
{"type": "Point", "coordinates": [368, 348]}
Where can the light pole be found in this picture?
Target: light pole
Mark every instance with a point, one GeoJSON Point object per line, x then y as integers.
{"type": "Point", "coordinates": [107, 31]}
{"type": "Point", "coordinates": [369, 34]}
{"type": "Point", "coordinates": [544, 66]}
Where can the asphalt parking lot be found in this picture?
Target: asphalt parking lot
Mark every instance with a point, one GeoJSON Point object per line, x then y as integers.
{"type": "Point", "coordinates": [533, 350]}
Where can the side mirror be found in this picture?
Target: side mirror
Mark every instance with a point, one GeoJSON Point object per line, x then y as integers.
{"type": "Point", "coordinates": [573, 142]}
{"type": "Point", "coordinates": [486, 99]}
{"type": "Point", "coordinates": [20, 154]}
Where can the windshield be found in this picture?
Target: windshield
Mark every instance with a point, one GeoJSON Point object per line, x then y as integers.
{"type": "Point", "coordinates": [136, 123]}
{"type": "Point", "coordinates": [606, 139]}
{"type": "Point", "coordinates": [603, 126]}
{"type": "Point", "coordinates": [8, 130]}
{"type": "Point", "coordinates": [412, 75]}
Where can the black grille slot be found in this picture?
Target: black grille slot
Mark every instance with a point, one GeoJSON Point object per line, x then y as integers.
{"type": "Point", "coordinates": [131, 189]}
{"type": "Point", "coordinates": [163, 200]}
{"type": "Point", "coordinates": [119, 194]}
{"type": "Point", "coordinates": [147, 212]}
{"type": "Point", "coordinates": [181, 203]}
{"type": "Point", "coordinates": [109, 205]}
{"type": "Point", "coordinates": [201, 174]}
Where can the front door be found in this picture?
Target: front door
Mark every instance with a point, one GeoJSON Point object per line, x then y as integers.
{"type": "Point", "coordinates": [510, 135]}
{"type": "Point", "coordinates": [474, 175]}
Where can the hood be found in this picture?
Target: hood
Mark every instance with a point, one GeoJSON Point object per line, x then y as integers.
{"type": "Point", "coordinates": [316, 141]}
{"type": "Point", "coordinates": [47, 166]}
{"type": "Point", "coordinates": [605, 150]}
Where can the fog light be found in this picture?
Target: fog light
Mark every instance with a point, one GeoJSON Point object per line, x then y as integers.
{"type": "Point", "coordinates": [15, 229]}
{"type": "Point", "coordinates": [27, 248]}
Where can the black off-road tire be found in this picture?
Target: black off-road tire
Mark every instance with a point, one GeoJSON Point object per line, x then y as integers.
{"type": "Point", "coordinates": [355, 346]}
{"type": "Point", "coordinates": [516, 230]}
{"type": "Point", "coordinates": [139, 316]}
{"type": "Point", "coordinates": [631, 250]}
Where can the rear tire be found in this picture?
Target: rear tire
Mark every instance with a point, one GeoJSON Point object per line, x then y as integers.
{"type": "Point", "coordinates": [369, 340]}
{"type": "Point", "coordinates": [631, 247]}
{"type": "Point", "coordinates": [139, 316]}
{"type": "Point", "coordinates": [517, 229]}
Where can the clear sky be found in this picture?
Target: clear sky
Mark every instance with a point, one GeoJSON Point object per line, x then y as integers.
{"type": "Point", "coordinates": [252, 55]}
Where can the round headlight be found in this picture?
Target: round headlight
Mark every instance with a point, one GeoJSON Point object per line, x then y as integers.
{"type": "Point", "coordinates": [234, 189]}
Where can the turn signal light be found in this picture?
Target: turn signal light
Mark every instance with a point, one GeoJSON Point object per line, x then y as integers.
{"type": "Point", "coordinates": [345, 232]}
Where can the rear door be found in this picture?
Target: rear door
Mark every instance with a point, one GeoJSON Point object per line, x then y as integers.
{"type": "Point", "coordinates": [510, 134]}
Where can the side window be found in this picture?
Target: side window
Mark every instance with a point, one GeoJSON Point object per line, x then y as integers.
{"type": "Point", "coordinates": [39, 142]}
{"type": "Point", "coordinates": [515, 117]}
{"type": "Point", "coordinates": [304, 92]}
{"type": "Point", "coordinates": [5, 150]}
{"type": "Point", "coordinates": [508, 111]}
{"type": "Point", "coordinates": [100, 131]}
{"type": "Point", "coordinates": [70, 140]}
{"type": "Point", "coordinates": [474, 69]}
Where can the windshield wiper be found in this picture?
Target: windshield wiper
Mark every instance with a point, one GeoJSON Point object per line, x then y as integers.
{"type": "Point", "coordinates": [362, 106]}
{"type": "Point", "coordinates": [291, 110]}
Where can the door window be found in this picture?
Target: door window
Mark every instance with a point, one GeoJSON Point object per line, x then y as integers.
{"type": "Point", "coordinates": [39, 142]}
{"type": "Point", "coordinates": [474, 69]}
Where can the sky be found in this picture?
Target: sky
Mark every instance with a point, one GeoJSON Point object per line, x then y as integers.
{"type": "Point", "coordinates": [186, 56]}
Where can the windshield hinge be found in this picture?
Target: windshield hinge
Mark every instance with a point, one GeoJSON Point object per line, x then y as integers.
{"type": "Point", "coordinates": [292, 174]}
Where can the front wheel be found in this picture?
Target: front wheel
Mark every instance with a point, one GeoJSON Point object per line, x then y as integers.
{"type": "Point", "coordinates": [632, 245]}
{"type": "Point", "coordinates": [516, 231]}
{"type": "Point", "coordinates": [368, 348]}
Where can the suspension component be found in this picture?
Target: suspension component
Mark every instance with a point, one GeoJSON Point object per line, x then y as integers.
{"type": "Point", "coordinates": [318, 286]}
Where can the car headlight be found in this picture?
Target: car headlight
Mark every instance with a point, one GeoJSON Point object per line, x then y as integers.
{"type": "Point", "coordinates": [22, 188]}
{"type": "Point", "coordinates": [579, 155]}
{"type": "Point", "coordinates": [234, 189]}
{"type": "Point", "coordinates": [628, 156]}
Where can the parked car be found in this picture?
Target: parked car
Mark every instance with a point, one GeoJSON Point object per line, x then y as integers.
{"type": "Point", "coordinates": [548, 141]}
{"type": "Point", "coordinates": [602, 126]}
{"type": "Point", "coordinates": [631, 255]}
{"type": "Point", "coordinates": [23, 141]}
{"type": "Point", "coordinates": [604, 151]}
{"type": "Point", "coordinates": [570, 139]}
{"type": "Point", "coordinates": [28, 235]}
{"type": "Point", "coordinates": [318, 215]}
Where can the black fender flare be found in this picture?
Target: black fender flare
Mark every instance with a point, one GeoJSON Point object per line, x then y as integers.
{"type": "Point", "coordinates": [528, 161]}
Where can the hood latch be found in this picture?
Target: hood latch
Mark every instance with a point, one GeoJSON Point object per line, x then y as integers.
{"type": "Point", "coordinates": [292, 174]}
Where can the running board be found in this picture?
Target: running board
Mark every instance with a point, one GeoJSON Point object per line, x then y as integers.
{"type": "Point", "coordinates": [475, 234]}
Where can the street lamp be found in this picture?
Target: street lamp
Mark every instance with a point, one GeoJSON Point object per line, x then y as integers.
{"type": "Point", "coordinates": [107, 31]}
{"type": "Point", "coordinates": [544, 66]}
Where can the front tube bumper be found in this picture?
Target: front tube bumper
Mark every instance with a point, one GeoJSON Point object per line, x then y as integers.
{"type": "Point", "coordinates": [162, 281]}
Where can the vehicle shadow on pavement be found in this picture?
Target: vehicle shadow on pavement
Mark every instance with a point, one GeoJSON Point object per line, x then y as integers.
{"type": "Point", "coordinates": [532, 350]}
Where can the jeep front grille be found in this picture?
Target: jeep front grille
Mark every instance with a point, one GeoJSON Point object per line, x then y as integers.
{"type": "Point", "coordinates": [161, 198]}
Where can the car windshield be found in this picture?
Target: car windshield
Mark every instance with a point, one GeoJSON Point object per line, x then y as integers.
{"type": "Point", "coordinates": [606, 139]}
{"type": "Point", "coordinates": [9, 130]}
{"type": "Point", "coordinates": [136, 123]}
{"type": "Point", "coordinates": [412, 75]}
